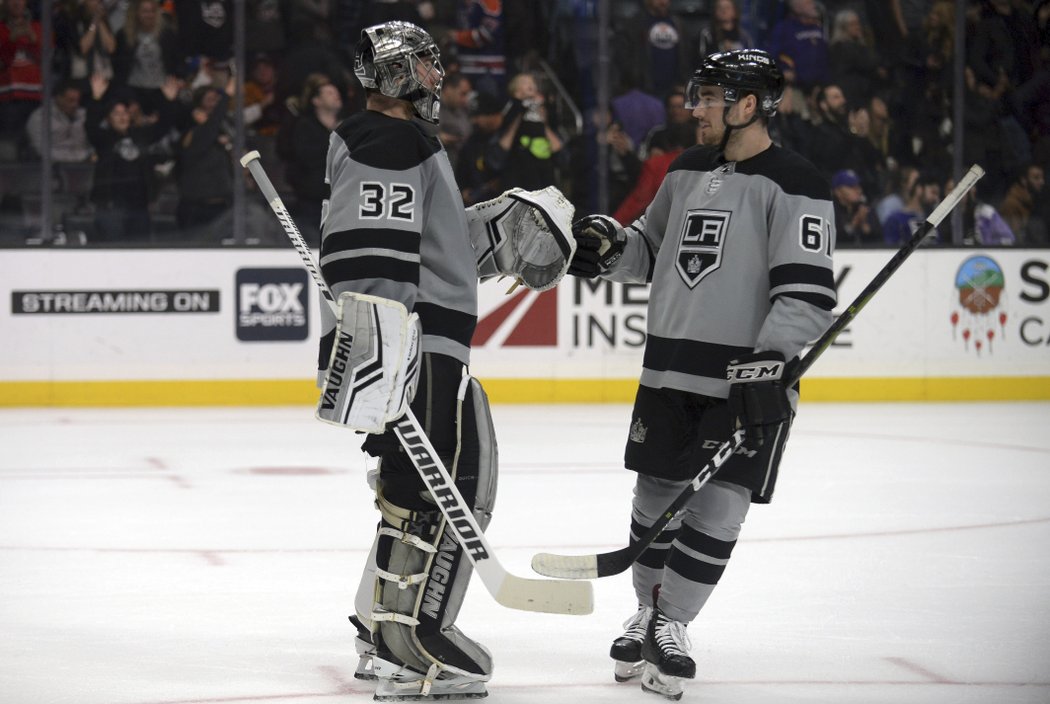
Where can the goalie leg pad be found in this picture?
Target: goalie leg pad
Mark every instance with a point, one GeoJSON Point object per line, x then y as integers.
{"type": "Point", "coordinates": [422, 572]}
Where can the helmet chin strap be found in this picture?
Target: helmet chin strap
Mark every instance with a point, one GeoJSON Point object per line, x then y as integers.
{"type": "Point", "coordinates": [730, 128]}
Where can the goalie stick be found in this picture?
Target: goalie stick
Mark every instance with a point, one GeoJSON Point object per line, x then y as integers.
{"type": "Point", "coordinates": [610, 563]}
{"type": "Point", "coordinates": [526, 594]}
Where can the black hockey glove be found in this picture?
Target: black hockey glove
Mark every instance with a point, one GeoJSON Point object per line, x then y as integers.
{"type": "Point", "coordinates": [758, 400]}
{"type": "Point", "coordinates": [600, 242]}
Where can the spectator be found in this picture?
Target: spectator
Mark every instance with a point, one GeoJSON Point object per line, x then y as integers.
{"type": "Point", "coordinates": [799, 44]}
{"type": "Point", "coordinates": [635, 111]}
{"type": "Point", "coordinates": [265, 22]}
{"type": "Point", "coordinates": [126, 154]}
{"type": "Point", "coordinates": [454, 122]}
{"type": "Point", "coordinates": [206, 28]}
{"type": "Point", "coordinates": [723, 31]}
{"type": "Point", "coordinates": [529, 149]}
{"type": "Point", "coordinates": [855, 66]}
{"type": "Point", "coordinates": [261, 111]}
{"type": "Point", "coordinates": [834, 146]}
{"type": "Point", "coordinates": [480, 46]}
{"type": "Point", "coordinates": [1024, 207]}
{"type": "Point", "coordinates": [900, 182]}
{"type": "Point", "coordinates": [623, 164]}
{"type": "Point", "coordinates": [855, 222]}
{"type": "Point", "coordinates": [680, 127]}
{"type": "Point", "coordinates": [20, 74]}
{"type": "Point", "coordinates": [923, 196]}
{"type": "Point", "coordinates": [69, 140]}
{"type": "Point", "coordinates": [478, 180]}
{"type": "Point", "coordinates": [147, 53]}
{"type": "Point", "coordinates": [665, 149]}
{"type": "Point", "coordinates": [84, 42]}
{"type": "Point", "coordinates": [987, 227]}
{"type": "Point", "coordinates": [320, 105]}
{"type": "Point", "coordinates": [205, 173]}
{"type": "Point", "coordinates": [652, 46]}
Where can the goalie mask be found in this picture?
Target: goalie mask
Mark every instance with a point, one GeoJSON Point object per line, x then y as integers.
{"type": "Point", "coordinates": [400, 60]}
{"type": "Point", "coordinates": [738, 73]}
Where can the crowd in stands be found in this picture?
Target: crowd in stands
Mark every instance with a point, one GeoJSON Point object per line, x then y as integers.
{"type": "Point", "coordinates": [142, 116]}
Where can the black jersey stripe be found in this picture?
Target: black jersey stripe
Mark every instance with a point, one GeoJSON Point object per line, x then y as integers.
{"type": "Point", "coordinates": [371, 267]}
{"type": "Point", "coordinates": [370, 238]}
{"type": "Point", "coordinates": [789, 274]}
{"type": "Point", "coordinates": [663, 354]}
{"type": "Point", "coordinates": [445, 322]}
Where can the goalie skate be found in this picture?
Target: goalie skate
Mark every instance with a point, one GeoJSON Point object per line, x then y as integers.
{"type": "Point", "coordinates": [656, 682]}
{"type": "Point", "coordinates": [401, 684]}
{"type": "Point", "coordinates": [366, 650]}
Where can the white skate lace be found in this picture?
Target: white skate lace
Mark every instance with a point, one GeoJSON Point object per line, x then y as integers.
{"type": "Point", "coordinates": [672, 638]}
{"type": "Point", "coordinates": [637, 624]}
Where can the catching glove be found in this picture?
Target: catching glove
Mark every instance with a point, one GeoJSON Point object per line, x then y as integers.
{"type": "Point", "coordinates": [758, 400]}
{"type": "Point", "coordinates": [600, 242]}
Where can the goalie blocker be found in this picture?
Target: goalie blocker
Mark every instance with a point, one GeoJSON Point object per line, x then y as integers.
{"type": "Point", "coordinates": [374, 367]}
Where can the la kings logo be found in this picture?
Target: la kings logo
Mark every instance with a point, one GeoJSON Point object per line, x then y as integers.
{"type": "Point", "coordinates": [271, 305]}
{"type": "Point", "coordinates": [700, 249]}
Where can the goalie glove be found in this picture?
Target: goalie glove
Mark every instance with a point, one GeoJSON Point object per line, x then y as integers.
{"type": "Point", "coordinates": [758, 399]}
{"type": "Point", "coordinates": [600, 242]}
{"type": "Point", "coordinates": [523, 234]}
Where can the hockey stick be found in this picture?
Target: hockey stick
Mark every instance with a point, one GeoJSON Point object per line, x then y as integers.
{"type": "Point", "coordinates": [526, 594]}
{"type": "Point", "coordinates": [617, 561]}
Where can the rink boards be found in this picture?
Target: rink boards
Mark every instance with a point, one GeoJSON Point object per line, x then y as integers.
{"type": "Point", "coordinates": [237, 327]}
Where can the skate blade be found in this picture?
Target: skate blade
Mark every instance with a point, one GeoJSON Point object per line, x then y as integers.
{"type": "Point", "coordinates": [627, 671]}
{"type": "Point", "coordinates": [416, 697]}
{"type": "Point", "coordinates": [654, 682]}
{"type": "Point", "coordinates": [365, 669]}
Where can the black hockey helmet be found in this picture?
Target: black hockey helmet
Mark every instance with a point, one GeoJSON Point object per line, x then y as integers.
{"type": "Point", "coordinates": [740, 72]}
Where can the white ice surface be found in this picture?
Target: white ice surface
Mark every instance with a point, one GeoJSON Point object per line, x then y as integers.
{"type": "Point", "coordinates": [199, 555]}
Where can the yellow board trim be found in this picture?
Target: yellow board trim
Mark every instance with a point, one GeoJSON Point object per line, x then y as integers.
{"type": "Point", "coordinates": [279, 392]}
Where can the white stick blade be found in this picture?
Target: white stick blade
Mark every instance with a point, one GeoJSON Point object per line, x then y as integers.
{"type": "Point", "coordinates": [565, 566]}
{"type": "Point", "coordinates": [546, 596]}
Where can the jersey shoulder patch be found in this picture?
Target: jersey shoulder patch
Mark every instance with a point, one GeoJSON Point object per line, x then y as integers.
{"type": "Point", "coordinates": [385, 142]}
{"type": "Point", "coordinates": [791, 171]}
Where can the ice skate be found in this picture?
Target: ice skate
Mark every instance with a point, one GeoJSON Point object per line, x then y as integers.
{"type": "Point", "coordinates": [627, 649]}
{"type": "Point", "coordinates": [366, 650]}
{"type": "Point", "coordinates": [666, 652]}
{"type": "Point", "coordinates": [658, 683]}
{"type": "Point", "coordinates": [397, 683]}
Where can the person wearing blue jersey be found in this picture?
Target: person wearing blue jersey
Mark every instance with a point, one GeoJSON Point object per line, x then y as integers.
{"type": "Point", "coordinates": [737, 246]}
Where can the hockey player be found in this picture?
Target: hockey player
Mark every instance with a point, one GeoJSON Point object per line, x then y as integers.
{"type": "Point", "coordinates": [737, 246]}
{"type": "Point", "coordinates": [395, 227]}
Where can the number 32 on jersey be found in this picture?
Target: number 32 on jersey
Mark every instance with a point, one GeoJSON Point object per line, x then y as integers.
{"type": "Point", "coordinates": [394, 201]}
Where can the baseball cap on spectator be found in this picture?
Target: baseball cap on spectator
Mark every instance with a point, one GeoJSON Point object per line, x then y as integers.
{"type": "Point", "coordinates": [846, 177]}
{"type": "Point", "coordinates": [485, 104]}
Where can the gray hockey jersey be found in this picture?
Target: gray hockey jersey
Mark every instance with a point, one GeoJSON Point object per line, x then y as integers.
{"type": "Point", "coordinates": [395, 227]}
{"type": "Point", "coordinates": [739, 257]}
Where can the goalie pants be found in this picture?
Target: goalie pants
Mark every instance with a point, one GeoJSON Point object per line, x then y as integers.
{"type": "Point", "coordinates": [673, 434]}
{"type": "Point", "coordinates": [423, 572]}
